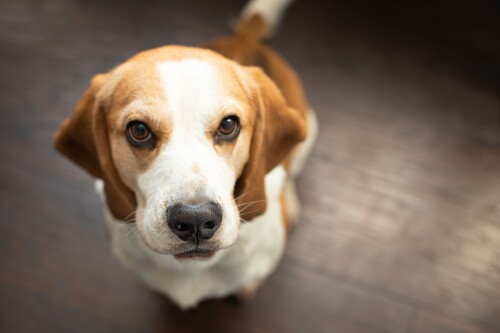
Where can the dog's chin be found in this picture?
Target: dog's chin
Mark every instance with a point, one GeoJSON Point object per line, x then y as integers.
{"type": "Point", "coordinates": [184, 252]}
{"type": "Point", "coordinates": [195, 254]}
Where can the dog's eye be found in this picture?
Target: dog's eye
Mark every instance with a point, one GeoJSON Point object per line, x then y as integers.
{"type": "Point", "coordinates": [139, 135]}
{"type": "Point", "coordinates": [228, 128]}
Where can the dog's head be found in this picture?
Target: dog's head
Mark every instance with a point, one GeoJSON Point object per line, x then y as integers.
{"type": "Point", "coordinates": [182, 138]}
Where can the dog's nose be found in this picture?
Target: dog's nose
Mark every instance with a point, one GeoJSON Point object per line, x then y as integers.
{"type": "Point", "coordinates": [194, 222]}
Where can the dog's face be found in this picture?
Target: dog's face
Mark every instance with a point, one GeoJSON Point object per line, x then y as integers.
{"type": "Point", "coordinates": [179, 144]}
{"type": "Point", "coordinates": [182, 138]}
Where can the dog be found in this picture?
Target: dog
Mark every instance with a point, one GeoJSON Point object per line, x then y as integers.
{"type": "Point", "coordinates": [195, 151]}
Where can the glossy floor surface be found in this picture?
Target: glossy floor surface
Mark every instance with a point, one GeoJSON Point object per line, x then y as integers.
{"type": "Point", "coordinates": [400, 228]}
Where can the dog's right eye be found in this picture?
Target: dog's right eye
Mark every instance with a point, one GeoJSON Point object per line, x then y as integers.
{"type": "Point", "coordinates": [139, 135]}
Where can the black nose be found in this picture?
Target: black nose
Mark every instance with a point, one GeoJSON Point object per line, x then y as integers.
{"type": "Point", "coordinates": [194, 222]}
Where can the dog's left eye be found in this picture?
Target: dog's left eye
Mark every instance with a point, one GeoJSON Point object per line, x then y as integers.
{"type": "Point", "coordinates": [139, 135]}
{"type": "Point", "coordinates": [228, 128]}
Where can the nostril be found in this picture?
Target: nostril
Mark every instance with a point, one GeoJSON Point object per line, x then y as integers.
{"type": "Point", "coordinates": [209, 225]}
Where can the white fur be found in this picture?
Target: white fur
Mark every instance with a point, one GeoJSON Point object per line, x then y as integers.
{"type": "Point", "coordinates": [248, 261]}
{"type": "Point", "coordinates": [189, 169]}
{"type": "Point", "coordinates": [270, 10]}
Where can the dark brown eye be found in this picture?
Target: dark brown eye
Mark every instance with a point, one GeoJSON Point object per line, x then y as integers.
{"type": "Point", "coordinates": [228, 128]}
{"type": "Point", "coordinates": [139, 135]}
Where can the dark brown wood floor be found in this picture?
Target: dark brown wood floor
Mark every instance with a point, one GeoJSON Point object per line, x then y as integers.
{"type": "Point", "coordinates": [400, 230]}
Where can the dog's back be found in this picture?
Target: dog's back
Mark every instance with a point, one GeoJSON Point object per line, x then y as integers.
{"type": "Point", "coordinates": [257, 22]}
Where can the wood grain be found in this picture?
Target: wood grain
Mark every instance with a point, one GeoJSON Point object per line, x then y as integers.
{"type": "Point", "coordinates": [399, 229]}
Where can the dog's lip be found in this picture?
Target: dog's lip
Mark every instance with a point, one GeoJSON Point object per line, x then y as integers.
{"type": "Point", "coordinates": [196, 253]}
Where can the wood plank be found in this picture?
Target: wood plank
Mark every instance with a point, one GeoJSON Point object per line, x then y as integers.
{"type": "Point", "coordinates": [431, 323]}
{"type": "Point", "coordinates": [400, 222]}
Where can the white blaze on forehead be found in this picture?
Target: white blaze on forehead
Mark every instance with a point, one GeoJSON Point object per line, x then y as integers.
{"type": "Point", "coordinates": [188, 167]}
{"type": "Point", "coordinates": [194, 100]}
{"type": "Point", "coordinates": [192, 88]}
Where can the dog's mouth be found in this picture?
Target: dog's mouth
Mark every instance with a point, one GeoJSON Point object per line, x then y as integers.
{"type": "Point", "coordinates": [195, 254]}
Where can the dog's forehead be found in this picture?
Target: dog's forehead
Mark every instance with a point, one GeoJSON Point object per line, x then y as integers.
{"type": "Point", "coordinates": [197, 89]}
{"type": "Point", "coordinates": [191, 82]}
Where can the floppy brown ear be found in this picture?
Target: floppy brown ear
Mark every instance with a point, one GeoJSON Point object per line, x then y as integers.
{"type": "Point", "coordinates": [278, 128]}
{"type": "Point", "coordinates": [83, 138]}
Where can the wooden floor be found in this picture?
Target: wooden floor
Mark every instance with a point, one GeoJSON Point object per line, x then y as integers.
{"type": "Point", "coordinates": [400, 229]}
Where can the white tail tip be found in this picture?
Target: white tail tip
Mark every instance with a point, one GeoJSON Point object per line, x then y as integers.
{"type": "Point", "coordinates": [270, 10]}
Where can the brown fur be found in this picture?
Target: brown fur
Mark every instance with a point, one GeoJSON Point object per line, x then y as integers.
{"type": "Point", "coordinates": [277, 110]}
{"type": "Point", "coordinates": [84, 139]}
{"type": "Point", "coordinates": [277, 130]}
{"type": "Point", "coordinates": [247, 48]}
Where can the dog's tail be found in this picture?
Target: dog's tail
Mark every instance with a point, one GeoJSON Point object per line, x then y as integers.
{"type": "Point", "coordinates": [260, 18]}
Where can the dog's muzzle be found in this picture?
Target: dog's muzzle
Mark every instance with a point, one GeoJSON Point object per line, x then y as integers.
{"type": "Point", "coordinates": [194, 222]}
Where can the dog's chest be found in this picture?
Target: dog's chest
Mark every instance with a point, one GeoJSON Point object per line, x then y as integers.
{"type": "Point", "coordinates": [252, 258]}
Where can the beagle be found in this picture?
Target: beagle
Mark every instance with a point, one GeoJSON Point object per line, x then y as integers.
{"type": "Point", "coordinates": [195, 151]}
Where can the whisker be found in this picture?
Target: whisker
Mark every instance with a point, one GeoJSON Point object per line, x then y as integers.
{"type": "Point", "coordinates": [130, 231]}
{"type": "Point", "coordinates": [122, 223]}
{"type": "Point", "coordinates": [118, 226]}
{"type": "Point", "coordinates": [246, 207]}
{"type": "Point", "coordinates": [253, 211]}
{"type": "Point", "coordinates": [249, 203]}
{"type": "Point", "coordinates": [129, 215]}
{"type": "Point", "coordinates": [243, 194]}
{"type": "Point", "coordinates": [242, 209]}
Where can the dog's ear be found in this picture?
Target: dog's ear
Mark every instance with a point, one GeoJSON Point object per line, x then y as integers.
{"type": "Point", "coordinates": [278, 128]}
{"type": "Point", "coordinates": [83, 138]}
